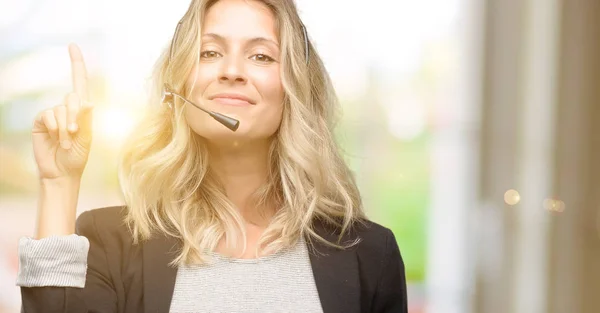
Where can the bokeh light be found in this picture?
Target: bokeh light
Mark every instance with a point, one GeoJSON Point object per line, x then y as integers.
{"type": "Point", "coordinates": [554, 205]}
{"type": "Point", "coordinates": [512, 197]}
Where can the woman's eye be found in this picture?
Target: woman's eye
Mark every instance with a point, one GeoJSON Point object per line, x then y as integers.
{"type": "Point", "coordinates": [209, 54]}
{"type": "Point", "coordinates": [262, 58]}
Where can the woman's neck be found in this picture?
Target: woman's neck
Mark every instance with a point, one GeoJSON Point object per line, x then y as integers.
{"type": "Point", "coordinates": [242, 170]}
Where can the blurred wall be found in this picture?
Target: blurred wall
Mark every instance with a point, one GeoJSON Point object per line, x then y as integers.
{"type": "Point", "coordinates": [540, 251]}
{"type": "Point", "coordinates": [575, 242]}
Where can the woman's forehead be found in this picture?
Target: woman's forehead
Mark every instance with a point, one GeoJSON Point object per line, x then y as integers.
{"type": "Point", "coordinates": [240, 18]}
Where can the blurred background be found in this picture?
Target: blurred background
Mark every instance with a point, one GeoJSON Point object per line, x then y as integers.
{"type": "Point", "coordinates": [473, 127]}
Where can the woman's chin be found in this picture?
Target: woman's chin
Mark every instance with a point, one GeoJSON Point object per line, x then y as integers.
{"type": "Point", "coordinates": [221, 135]}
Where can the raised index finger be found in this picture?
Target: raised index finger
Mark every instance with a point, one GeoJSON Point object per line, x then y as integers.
{"type": "Point", "coordinates": [79, 73]}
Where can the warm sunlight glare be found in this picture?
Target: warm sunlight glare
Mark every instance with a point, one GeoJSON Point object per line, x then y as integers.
{"type": "Point", "coordinates": [113, 123]}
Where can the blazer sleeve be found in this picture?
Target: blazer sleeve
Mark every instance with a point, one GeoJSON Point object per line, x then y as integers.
{"type": "Point", "coordinates": [96, 294]}
{"type": "Point", "coordinates": [391, 295]}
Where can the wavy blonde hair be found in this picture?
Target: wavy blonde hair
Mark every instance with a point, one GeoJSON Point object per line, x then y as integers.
{"type": "Point", "coordinates": [165, 175]}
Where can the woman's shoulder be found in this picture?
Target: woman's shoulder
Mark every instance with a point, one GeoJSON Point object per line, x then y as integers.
{"type": "Point", "coordinates": [373, 245]}
{"type": "Point", "coordinates": [379, 255]}
{"type": "Point", "coordinates": [371, 238]}
{"type": "Point", "coordinates": [103, 220]}
{"type": "Point", "coordinates": [374, 238]}
{"type": "Point", "coordinates": [372, 230]}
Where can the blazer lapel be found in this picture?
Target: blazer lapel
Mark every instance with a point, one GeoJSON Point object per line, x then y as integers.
{"type": "Point", "coordinates": [336, 275]}
{"type": "Point", "coordinates": [159, 277]}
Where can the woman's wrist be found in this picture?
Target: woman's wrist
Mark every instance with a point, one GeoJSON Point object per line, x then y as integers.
{"type": "Point", "coordinates": [57, 207]}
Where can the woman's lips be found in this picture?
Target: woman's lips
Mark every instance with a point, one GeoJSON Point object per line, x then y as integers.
{"type": "Point", "coordinates": [231, 101]}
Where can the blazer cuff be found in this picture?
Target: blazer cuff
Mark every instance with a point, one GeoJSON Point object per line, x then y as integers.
{"type": "Point", "coordinates": [58, 261]}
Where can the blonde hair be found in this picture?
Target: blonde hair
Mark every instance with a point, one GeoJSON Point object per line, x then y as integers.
{"type": "Point", "coordinates": [165, 176]}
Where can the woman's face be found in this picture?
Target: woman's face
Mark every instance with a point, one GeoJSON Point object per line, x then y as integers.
{"type": "Point", "coordinates": [238, 73]}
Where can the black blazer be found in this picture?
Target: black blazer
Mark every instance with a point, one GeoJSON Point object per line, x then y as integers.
{"type": "Point", "coordinates": [127, 278]}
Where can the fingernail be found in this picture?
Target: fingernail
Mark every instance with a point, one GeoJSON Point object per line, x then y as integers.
{"type": "Point", "coordinates": [73, 127]}
{"type": "Point", "coordinates": [65, 144]}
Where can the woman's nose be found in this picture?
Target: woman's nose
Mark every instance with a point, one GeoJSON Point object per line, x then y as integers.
{"type": "Point", "coordinates": [233, 71]}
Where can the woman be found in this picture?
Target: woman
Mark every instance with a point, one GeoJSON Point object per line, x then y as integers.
{"type": "Point", "coordinates": [265, 217]}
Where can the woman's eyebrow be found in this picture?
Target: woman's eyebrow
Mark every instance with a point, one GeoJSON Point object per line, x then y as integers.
{"type": "Point", "coordinates": [256, 40]}
{"type": "Point", "coordinates": [214, 36]}
{"type": "Point", "coordinates": [250, 41]}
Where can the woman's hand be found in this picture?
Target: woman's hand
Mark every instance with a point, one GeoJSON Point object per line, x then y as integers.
{"type": "Point", "coordinates": [62, 135]}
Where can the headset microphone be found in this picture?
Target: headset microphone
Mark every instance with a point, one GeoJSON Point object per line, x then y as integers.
{"type": "Point", "coordinates": [167, 98]}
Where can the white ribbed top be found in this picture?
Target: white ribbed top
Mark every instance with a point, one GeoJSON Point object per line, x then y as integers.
{"type": "Point", "coordinates": [281, 282]}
